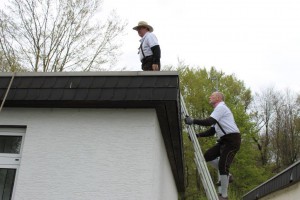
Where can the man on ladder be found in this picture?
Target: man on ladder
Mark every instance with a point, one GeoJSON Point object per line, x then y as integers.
{"type": "Point", "coordinates": [222, 123]}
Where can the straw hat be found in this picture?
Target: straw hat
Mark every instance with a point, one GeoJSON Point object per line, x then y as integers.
{"type": "Point", "coordinates": [143, 24]}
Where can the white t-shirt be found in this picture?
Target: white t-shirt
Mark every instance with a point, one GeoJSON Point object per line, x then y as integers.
{"type": "Point", "coordinates": [148, 40]}
{"type": "Point", "coordinates": [225, 118]}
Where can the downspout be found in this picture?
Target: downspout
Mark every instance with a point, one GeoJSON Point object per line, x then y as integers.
{"type": "Point", "coordinates": [7, 91]}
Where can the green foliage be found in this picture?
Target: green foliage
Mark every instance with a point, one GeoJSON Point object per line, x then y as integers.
{"type": "Point", "coordinates": [196, 86]}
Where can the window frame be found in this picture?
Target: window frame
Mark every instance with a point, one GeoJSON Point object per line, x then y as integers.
{"type": "Point", "coordinates": [12, 160]}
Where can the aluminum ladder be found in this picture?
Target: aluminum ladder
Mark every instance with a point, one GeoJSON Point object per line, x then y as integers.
{"type": "Point", "coordinates": [199, 158]}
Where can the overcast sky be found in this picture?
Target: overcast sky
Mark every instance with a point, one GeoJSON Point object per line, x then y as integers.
{"type": "Point", "coordinates": [257, 40]}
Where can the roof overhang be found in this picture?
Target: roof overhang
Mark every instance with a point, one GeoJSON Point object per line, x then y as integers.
{"type": "Point", "coordinates": [158, 90]}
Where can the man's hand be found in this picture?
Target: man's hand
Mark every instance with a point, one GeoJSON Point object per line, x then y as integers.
{"type": "Point", "coordinates": [189, 120]}
{"type": "Point", "coordinates": [155, 67]}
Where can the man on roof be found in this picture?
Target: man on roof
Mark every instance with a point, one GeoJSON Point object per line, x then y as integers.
{"type": "Point", "coordinates": [149, 49]}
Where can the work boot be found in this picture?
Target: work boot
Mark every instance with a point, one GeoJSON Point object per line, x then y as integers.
{"type": "Point", "coordinates": [230, 177]}
{"type": "Point", "coordinates": [223, 198]}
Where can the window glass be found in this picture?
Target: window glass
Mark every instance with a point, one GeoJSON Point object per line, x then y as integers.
{"type": "Point", "coordinates": [10, 144]}
{"type": "Point", "coordinates": [7, 178]}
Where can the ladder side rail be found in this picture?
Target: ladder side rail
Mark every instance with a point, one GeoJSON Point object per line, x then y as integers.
{"type": "Point", "coordinates": [207, 180]}
{"type": "Point", "coordinates": [203, 166]}
{"type": "Point", "coordinates": [210, 192]}
{"type": "Point", "coordinates": [7, 91]}
{"type": "Point", "coordinates": [199, 159]}
{"type": "Point", "coordinates": [206, 189]}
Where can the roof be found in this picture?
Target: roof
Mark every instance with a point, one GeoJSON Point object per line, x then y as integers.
{"type": "Point", "coordinates": [158, 90]}
{"type": "Point", "coordinates": [286, 178]}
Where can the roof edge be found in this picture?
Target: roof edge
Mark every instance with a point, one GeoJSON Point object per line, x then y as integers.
{"type": "Point", "coordinates": [274, 177]}
{"type": "Point", "coordinates": [101, 73]}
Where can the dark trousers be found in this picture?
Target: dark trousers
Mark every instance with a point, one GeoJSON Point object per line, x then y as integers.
{"type": "Point", "coordinates": [147, 64]}
{"type": "Point", "coordinates": [226, 148]}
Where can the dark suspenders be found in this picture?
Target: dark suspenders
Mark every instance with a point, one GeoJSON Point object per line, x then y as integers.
{"type": "Point", "coordinates": [221, 128]}
{"type": "Point", "coordinates": [141, 48]}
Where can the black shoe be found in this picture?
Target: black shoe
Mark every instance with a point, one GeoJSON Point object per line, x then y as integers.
{"type": "Point", "coordinates": [230, 180]}
{"type": "Point", "coordinates": [223, 198]}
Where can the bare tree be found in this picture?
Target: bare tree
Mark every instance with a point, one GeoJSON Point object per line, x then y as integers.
{"type": "Point", "coordinates": [262, 115]}
{"type": "Point", "coordinates": [60, 35]}
{"type": "Point", "coordinates": [286, 134]}
{"type": "Point", "coordinates": [277, 116]}
{"type": "Point", "coordinates": [9, 65]}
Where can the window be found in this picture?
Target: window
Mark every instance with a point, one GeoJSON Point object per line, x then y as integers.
{"type": "Point", "coordinates": [11, 140]}
{"type": "Point", "coordinates": [7, 179]}
{"type": "Point", "coordinates": [10, 144]}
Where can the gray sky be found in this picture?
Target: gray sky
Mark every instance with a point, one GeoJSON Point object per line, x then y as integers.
{"type": "Point", "coordinates": [257, 40]}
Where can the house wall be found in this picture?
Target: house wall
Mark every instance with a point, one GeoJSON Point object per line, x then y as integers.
{"type": "Point", "coordinates": [291, 192]}
{"type": "Point", "coordinates": [91, 154]}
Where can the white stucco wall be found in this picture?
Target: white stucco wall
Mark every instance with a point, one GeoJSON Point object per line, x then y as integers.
{"type": "Point", "coordinates": [289, 193]}
{"type": "Point", "coordinates": [91, 154]}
